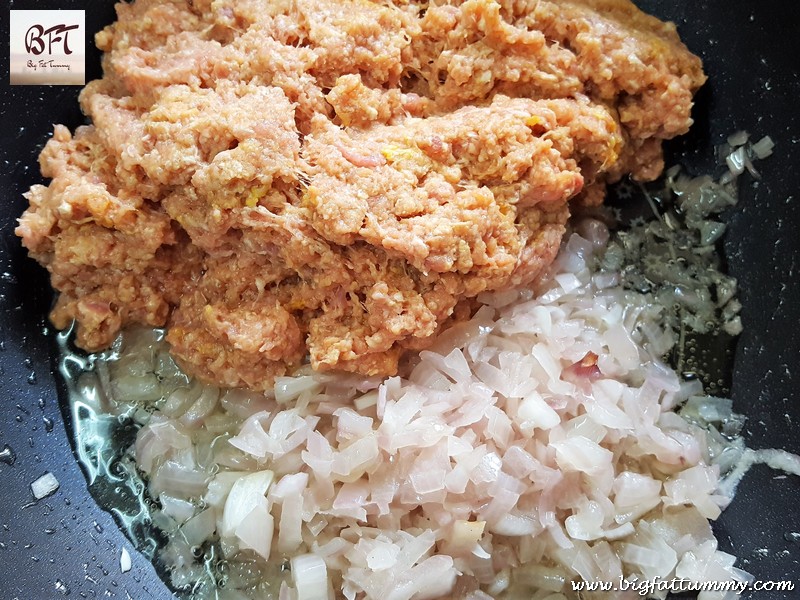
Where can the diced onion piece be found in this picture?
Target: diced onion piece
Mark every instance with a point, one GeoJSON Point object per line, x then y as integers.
{"type": "Point", "coordinates": [540, 576]}
{"type": "Point", "coordinates": [310, 576]}
{"type": "Point", "coordinates": [139, 389]}
{"type": "Point", "coordinates": [710, 232]}
{"type": "Point", "coordinates": [289, 388]}
{"type": "Point", "coordinates": [252, 438]}
{"type": "Point", "coordinates": [254, 531]}
{"type": "Point", "coordinates": [434, 577]}
{"type": "Point", "coordinates": [201, 407]}
{"type": "Point", "coordinates": [179, 509]}
{"type": "Point", "coordinates": [586, 523]}
{"type": "Point", "coordinates": [44, 486]}
{"type": "Point", "coordinates": [763, 147]}
{"type": "Point", "coordinates": [291, 489]}
{"type": "Point", "coordinates": [199, 528]}
{"type": "Point", "coordinates": [514, 525]}
{"type": "Point", "coordinates": [534, 412]}
{"type": "Point", "coordinates": [156, 440]}
{"type": "Point", "coordinates": [245, 495]}
{"type": "Point", "coordinates": [581, 454]}
{"type": "Point", "coordinates": [738, 138]}
{"type": "Point", "coordinates": [465, 535]}
{"type": "Point", "coordinates": [179, 480]}
{"type": "Point", "coordinates": [125, 561]}
{"type": "Point", "coordinates": [736, 161]}
{"type": "Point", "coordinates": [617, 533]}
{"type": "Point", "coordinates": [367, 400]}
{"type": "Point", "coordinates": [632, 489]}
{"type": "Point", "coordinates": [220, 487]}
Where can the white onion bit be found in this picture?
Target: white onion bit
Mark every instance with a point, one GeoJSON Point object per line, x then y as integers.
{"type": "Point", "coordinates": [310, 576]}
{"type": "Point", "coordinates": [46, 485]}
{"type": "Point", "coordinates": [124, 561]}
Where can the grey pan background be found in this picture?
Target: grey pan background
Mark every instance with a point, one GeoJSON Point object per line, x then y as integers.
{"type": "Point", "coordinates": [66, 546]}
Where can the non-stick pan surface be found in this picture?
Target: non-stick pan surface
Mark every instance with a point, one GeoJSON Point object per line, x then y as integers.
{"type": "Point", "coordinates": [65, 545]}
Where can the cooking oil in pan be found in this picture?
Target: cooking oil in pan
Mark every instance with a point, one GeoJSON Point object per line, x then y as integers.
{"type": "Point", "coordinates": [103, 431]}
{"type": "Point", "coordinates": [102, 440]}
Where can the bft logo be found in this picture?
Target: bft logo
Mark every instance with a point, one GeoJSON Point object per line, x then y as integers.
{"type": "Point", "coordinates": [58, 34]}
{"type": "Point", "coordinates": [47, 47]}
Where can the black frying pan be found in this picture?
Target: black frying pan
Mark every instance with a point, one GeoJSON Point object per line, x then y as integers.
{"type": "Point", "coordinates": [65, 545]}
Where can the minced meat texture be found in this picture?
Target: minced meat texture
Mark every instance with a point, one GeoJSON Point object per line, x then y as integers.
{"type": "Point", "coordinates": [338, 180]}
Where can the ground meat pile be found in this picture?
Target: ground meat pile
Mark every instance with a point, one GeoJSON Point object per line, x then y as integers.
{"type": "Point", "coordinates": [338, 179]}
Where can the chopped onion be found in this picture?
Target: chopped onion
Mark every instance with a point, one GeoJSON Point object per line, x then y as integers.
{"type": "Point", "coordinates": [219, 487]}
{"type": "Point", "coordinates": [516, 525]}
{"type": "Point", "coordinates": [581, 454]}
{"type": "Point", "coordinates": [125, 560]}
{"type": "Point", "coordinates": [289, 491]}
{"type": "Point", "coordinates": [179, 480]}
{"type": "Point", "coordinates": [46, 485]}
{"type": "Point", "coordinates": [247, 493]}
{"type": "Point", "coordinates": [763, 147]}
{"type": "Point", "coordinates": [179, 509]}
{"type": "Point", "coordinates": [464, 535]}
{"type": "Point", "coordinates": [137, 388]}
{"type": "Point", "coordinates": [310, 577]}
{"type": "Point", "coordinates": [434, 577]}
{"type": "Point", "coordinates": [738, 138]}
{"type": "Point", "coordinates": [254, 530]}
{"type": "Point", "coordinates": [199, 528]}
{"type": "Point", "coordinates": [535, 412]}
{"type": "Point", "coordinates": [201, 407]}
{"type": "Point", "coordinates": [542, 577]}
{"type": "Point", "coordinates": [289, 388]}
{"type": "Point", "coordinates": [156, 440]}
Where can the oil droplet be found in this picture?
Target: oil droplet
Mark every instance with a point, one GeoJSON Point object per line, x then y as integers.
{"type": "Point", "coordinates": [792, 536]}
{"type": "Point", "coordinates": [7, 455]}
{"type": "Point", "coordinates": [32, 378]}
{"type": "Point", "coordinates": [41, 403]}
{"type": "Point", "coordinates": [97, 526]}
{"type": "Point", "coordinates": [48, 424]}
